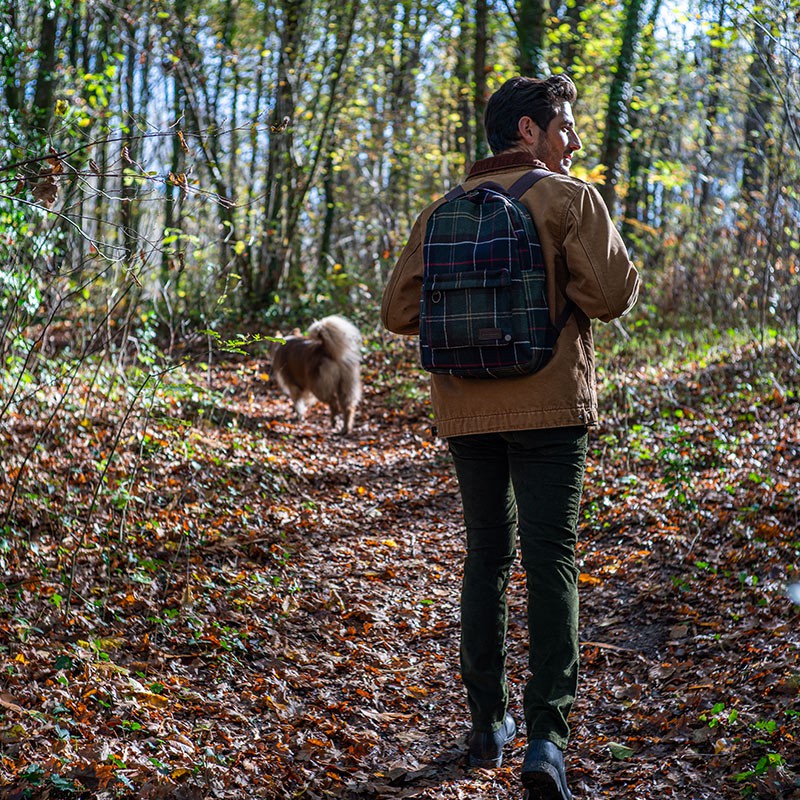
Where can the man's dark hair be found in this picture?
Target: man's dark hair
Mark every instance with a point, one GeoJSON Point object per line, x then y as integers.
{"type": "Point", "coordinates": [524, 97]}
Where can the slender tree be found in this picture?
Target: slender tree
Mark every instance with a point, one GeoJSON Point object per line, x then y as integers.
{"type": "Point", "coordinates": [479, 67]}
{"type": "Point", "coordinates": [342, 22]}
{"type": "Point", "coordinates": [640, 119]}
{"type": "Point", "coordinates": [712, 104]}
{"type": "Point", "coordinates": [758, 114]}
{"type": "Point", "coordinates": [406, 58]}
{"type": "Point", "coordinates": [530, 22]}
{"type": "Point", "coordinates": [44, 93]}
{"type": "Point", "coordinates": [619, 96]}
{"type": "Point", "coordinates": [10, 54]}
{"type": "Point", "coordinates": [571, 38]}
{"type": "Point", "coordinates": [280, 173]}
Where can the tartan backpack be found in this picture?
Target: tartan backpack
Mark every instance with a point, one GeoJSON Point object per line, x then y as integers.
{"type": "Point", "coordinates": [483, 310]}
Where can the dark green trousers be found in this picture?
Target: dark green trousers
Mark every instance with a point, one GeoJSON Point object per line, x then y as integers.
{"type": "Point", "coordinates": [529, 481]}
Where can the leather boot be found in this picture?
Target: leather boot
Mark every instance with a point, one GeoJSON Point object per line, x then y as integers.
{"type": "Point", "coordinates": [486, 749]}
{"type": "Point", "coordinates": [543, 772]}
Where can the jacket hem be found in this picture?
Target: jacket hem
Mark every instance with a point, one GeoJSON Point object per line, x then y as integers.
{"type": "Point", "coordinates": [512, 421]}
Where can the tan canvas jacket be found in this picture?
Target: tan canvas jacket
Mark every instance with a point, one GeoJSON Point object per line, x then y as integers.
{"type": "Point", "coordinates": [585, 260]}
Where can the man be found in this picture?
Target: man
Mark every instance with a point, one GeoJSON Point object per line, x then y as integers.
{"type": "Point", "coordinates": [519, 444]}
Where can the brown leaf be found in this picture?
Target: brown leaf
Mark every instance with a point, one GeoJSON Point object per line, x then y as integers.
{"type": "Point", "coordinates": [184, 146]}
{"type": "Point", "coordinates": [7, 701]}
{"type": "Point", "coordinates": [178, 180]}
{"type": "Point", "coordinates": [152, 700]}
{"type": "Point", "coordinates": [45, 191]}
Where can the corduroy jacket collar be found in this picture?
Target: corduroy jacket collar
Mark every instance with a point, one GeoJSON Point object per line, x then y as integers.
{"type": "Point", "coordinates": [513, 160]}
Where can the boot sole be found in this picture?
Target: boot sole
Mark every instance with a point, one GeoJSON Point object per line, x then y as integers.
{"type": "Point", "coordinates": [540, 786]}
{"type": "Point", "coordinates": [483, 763]}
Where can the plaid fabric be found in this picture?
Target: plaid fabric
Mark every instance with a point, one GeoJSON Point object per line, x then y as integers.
{"type": "Point", "coordinates": [483, 311]}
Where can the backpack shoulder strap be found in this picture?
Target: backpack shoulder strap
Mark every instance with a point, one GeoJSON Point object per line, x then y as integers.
{"type": "Point", "coordinates": [460, 191]}
{"type": "Point", "coordinates": [455, 193]}
{"type": "Point", "coordinates": [521, 185]}
{"type": "Point", "coordinates": [516, 190]}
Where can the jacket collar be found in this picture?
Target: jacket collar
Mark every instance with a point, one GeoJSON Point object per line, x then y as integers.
{"type": "Point", "coordinates": [505, 161]}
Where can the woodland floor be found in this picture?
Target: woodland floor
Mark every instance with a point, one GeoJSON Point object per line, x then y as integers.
{"type": "Point", "coordinates": [262, 609]}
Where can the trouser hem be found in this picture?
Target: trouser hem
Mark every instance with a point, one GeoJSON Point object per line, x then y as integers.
{"type": "Point", "coordinates": [559, 741]}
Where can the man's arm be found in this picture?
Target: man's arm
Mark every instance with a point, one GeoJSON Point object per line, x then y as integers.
{"type": "Point", "coordinates": [401, 297]}
{"type": "Point", "coordinates": [603, 282]}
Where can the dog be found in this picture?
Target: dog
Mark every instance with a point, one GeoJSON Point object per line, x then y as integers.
{"type": "Point", "coordinates": [326, 365]}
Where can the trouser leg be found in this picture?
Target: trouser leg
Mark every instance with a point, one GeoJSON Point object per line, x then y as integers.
{"type": "Point", "coordinates": [547, 469]}
{"type": "Point", "coordinates": [481, 465]}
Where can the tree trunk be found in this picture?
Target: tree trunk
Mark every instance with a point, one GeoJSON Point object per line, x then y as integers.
{"type": "Point", "coordinates": [279, 177]}
{"type": "Point", "coordinates": [479, 67]}
{"type": "Point", "coordinates": [406, 59]}
{"type": "Point", "coordinates": [618, 101]}
{"type": "Point", "coordinates": [255, 229]}
{"type": "Point", "coordinates": [10, 56]}
{"type": "Point", "coordinates": [757, 117]}
{"type": "Point", "coordinates": [171, 191]}
{"type": "Point", "coordinates": [640, 154]}
{"type": "Point", "coordinates": [44, 94]}
{"type": "Point", "coordinates": [343, 24]}
{"type": "Point", "coordinates": [128, 189]}
{"type": "Point", "coordinates": [571, 40]}
{"type": "Point", "coordinates": [712, 113]}
{"type": "Point", "coordinates": [329, 218]}
{"type": "Point", "coordinates": [531, 25]}
{"type": "Point", "coordinates": [464, 139]}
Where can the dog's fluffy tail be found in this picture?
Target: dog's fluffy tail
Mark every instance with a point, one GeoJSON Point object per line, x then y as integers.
{"type": "Point", "coordinates": [339, 337]}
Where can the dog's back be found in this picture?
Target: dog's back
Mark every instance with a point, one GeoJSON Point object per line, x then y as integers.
{"type": "Point", "coordinates": [296, 360]}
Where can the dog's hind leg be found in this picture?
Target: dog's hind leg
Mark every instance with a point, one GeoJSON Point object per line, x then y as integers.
{"type": "Point", "coordinates": [348, 416]}
{"type": "Point", "coordinates": [349, 395]}
{"type": "Point", "coordinates": [347, 405]}
{"type": "Point", "coordinates": [335, 410]}
{"type": "Point", "coordinates": [301, 400]}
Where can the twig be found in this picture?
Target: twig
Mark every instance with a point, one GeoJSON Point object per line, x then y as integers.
{"type": "Point", "coordinates": [793, 352]}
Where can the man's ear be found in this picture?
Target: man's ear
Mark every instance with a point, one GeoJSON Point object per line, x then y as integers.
{"type": "Point", "coordinates": [528, 130]}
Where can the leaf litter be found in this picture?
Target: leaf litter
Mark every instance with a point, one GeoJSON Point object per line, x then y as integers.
{"type": "Point", "coordinates": [263, 609]}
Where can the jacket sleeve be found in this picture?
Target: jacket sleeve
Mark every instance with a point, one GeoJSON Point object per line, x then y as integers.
{"type": "Point", "coordinates": [602, 282]}
{"type": "Point", "coordinates": [401, 297]}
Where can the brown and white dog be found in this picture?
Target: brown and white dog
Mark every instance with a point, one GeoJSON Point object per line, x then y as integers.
{"type": "Point", "coordinates": [326, 364]}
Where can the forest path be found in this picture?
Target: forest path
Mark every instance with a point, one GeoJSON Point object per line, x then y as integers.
{"type": "Point", "coordinates": [377, 556]}
{"type": "Point", "coordinates": [276, 615]}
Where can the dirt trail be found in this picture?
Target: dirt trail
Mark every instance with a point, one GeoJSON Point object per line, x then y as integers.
{"type": "Point", "coordinates": [654, 661]}
{"type": "Point", "coordinates": [291, 630]}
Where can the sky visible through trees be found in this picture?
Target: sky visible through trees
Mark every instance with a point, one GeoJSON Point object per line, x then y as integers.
{"type": "Point", "coordinates": [238, 156]}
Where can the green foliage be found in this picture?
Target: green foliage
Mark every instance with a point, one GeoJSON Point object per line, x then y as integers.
{"type": "Point", "coordinates": [218, 204]}
{"type": "Point", "coordinates": [764, 764]}
{"type": "Point", "coordinates": [239, 344]}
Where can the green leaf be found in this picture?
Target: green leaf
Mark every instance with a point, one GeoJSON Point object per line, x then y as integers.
{"type": "Point", "coordinates": [63, 662]}
{"type": "Point", "coordinates": [621, 751]}
{"type": "Point", "coordinates": [63, 784]}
